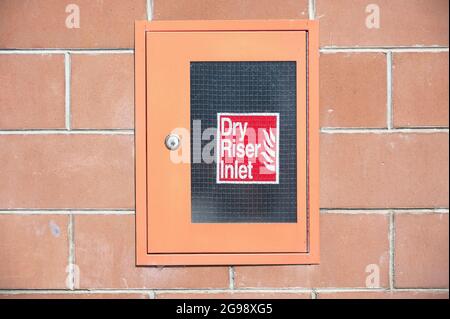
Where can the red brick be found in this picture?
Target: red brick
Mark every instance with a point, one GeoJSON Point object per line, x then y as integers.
{"type": "Point", "coordinates": [102, 91]}
{"type": "Point", "coordinates": [74, 295]}
{"type": "Point", "coordinates": [105, 254]}
{"type": "Point", "coordinates": [384, 170]}
{"type": "Point", "coordinates": [230, 9]}
{"type": "Point", "coordinates": [235, 295]}
{"type": "Point", "coordinates": [353, 90]}
{"type": "Point", "coordinates": [402, 23]}
{"type": "Point", "coordinates": [420, 89]}
{"type": "Point", "coordinates": [32, 91]}
{"type": "Point", "coordinates": [421, 251]}
{"type": "Point", "coordinates": [66, 171]}
{"type": "Point", "coordinates": [384, 295]}
{"type": "Point", "coordinates": [349, 243]}
{"type": "Point", "coordinates": [34, 251]}
{"type": "Point", "coordinates": [42, 23]}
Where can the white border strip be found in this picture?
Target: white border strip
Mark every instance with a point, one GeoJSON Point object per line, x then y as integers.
{"type": "Point", "coordinates": [337, 211]}
{"type": "Point", "coordinates": [384, 211]}
{"type": "Point", "coordinates": [64, 51]}
{"type": "Point", "coordinates": [389, 108]}
{"type": "Point", "coordinates": [339, 130]}
{"type": "Point", "coordinates": [64, 212]}
{"type": "Point", "coordinates": [149, 10]}
{"type": "Point", "coordinates": [70, 283]}
{"type": "Point", "coordinates": [68, 132]}
{"type": "Point", "coordinates": [391, 237]}
{"type": "Point", "coordinates": [312, 9]}
{"type": "Point", "coordinates": [215, 290]}
{"type": "Point", "coordinates": [67, 74]}
{"type": "Point", "coordinates": [418, 49]}
{"type": "Point", "coordinates": [325, 130]}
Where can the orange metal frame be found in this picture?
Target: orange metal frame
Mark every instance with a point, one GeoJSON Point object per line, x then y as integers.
{"type": "Point", "coordinates": [163, 246]}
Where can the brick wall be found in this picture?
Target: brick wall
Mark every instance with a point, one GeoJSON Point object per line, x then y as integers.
{"type": "Point", "coordinates": [66, 152]}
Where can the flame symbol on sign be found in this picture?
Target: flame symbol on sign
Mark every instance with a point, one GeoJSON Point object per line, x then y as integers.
{"type": "Point", "coordinates": [269, 153]}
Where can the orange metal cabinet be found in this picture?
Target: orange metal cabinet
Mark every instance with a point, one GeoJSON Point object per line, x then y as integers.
{"type": "Point", "coordinates": [227, 145]}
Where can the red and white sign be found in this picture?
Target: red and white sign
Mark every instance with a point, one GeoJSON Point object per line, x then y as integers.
{"type": "Point", "coordinates": [247, 148]}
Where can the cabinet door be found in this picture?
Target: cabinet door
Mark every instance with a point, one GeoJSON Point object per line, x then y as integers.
{"type": "Point", "coordinates": [230, 77]}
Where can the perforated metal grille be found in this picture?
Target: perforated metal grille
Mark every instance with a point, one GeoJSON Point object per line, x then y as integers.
{"type": "Point", "coordinates": [220, 87]}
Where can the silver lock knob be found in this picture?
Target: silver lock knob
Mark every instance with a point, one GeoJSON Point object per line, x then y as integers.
{"type": "Point", "coordinates": [172, 142]}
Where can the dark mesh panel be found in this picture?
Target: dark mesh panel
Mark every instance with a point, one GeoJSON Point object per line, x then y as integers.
{"type": "Point", "coordinates": [220, 87]}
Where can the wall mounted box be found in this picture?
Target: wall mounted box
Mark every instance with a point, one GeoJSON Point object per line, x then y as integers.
{"type": "Point", "coordinates": [227, 142]}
